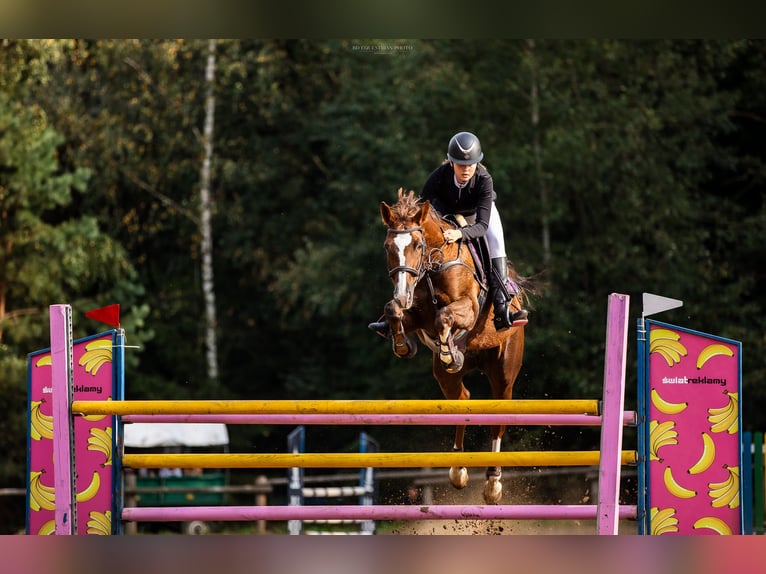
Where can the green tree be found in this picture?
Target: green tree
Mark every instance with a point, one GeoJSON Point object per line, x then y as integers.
{"type": "Point", "coordinates": [48, 254]}
{"type": "Point", "coordinates": [132, 112]}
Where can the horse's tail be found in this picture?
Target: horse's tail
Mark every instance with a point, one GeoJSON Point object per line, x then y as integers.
{"type": "Point", "coordinates": [529, 286]}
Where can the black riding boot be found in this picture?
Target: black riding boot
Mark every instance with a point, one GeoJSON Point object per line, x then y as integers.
{"type": "Point", "coordinates": [503, 290]}
{"type": "Point", "coordinates": [381, 327]}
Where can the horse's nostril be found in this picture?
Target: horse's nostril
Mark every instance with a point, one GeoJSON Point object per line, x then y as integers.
{"type": "Point", "coordinates": [402, 301]}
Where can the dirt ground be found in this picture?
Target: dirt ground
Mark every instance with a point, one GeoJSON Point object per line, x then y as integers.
{"type": "Point", "coordinates": [511, 495]}
{"type": "Point", "coordinates": [506, 527]}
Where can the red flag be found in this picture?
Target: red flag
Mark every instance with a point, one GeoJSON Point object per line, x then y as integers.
{"type": "Point", "coordinates": [109, 315]}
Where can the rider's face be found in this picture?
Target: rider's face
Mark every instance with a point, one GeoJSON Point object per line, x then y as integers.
{"type": "Point", "coordinates": [463, 172]}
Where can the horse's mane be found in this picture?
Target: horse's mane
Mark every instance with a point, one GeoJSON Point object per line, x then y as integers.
{"type": "Point", "coordinates": [406, 206]}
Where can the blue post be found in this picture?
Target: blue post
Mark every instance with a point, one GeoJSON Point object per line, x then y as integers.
{"type": "Point", "coordinates": [296, 443]}
{"type": "Point", "coordinates": [642, 434]}
{"type": "Point", "coordinates": [758, 486]}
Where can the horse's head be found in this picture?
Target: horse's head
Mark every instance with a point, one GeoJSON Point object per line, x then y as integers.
{"type": "Point", "coordinates": [405, 244]}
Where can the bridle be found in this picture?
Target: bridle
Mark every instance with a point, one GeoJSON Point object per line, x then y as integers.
{"type": "Point", "coordinates": [421, 270]}
{"type": "Point", "coordinates": [430, 262]}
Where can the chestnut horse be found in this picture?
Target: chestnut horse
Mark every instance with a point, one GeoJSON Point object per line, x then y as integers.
{"type": "Point", "coordinates": [438, 295]}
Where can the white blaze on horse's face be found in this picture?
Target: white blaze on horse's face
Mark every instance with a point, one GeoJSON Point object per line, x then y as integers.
{"type": "Point", "coordinates": [402, 294]}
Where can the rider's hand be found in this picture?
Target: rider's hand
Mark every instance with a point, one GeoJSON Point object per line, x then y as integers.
{"type": "Point", "coordinates": [452, 235]}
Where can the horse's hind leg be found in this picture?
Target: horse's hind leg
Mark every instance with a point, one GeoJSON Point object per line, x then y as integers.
{"type": "Point", "coordinates": [458, 475]}
{"type": "Point", "coordinates": [502, 376]}
{"type": "Point", "coordinates": [452, 388]}
{"type": "Point", "coordinates": [493, 488]}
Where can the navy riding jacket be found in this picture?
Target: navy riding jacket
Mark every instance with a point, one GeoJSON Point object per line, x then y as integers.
{"type": "Point", "coordinates": [474, 199]}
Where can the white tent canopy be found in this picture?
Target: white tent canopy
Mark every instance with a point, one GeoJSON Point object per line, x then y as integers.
{"type": "Point", "coordinates": [147, 435]}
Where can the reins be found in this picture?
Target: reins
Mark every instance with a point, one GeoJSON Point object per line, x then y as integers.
{"type": "Point", "coordinates": [432, 262]}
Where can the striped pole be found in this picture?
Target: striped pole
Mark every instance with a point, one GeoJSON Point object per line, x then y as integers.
{"type": "Point", "coordinates": [402, 407]}
{"type": "Point", "coordinates": [374, 460]}
{"type": "Point", "coordinates": [381, 512]}
{"type": "Point", "coordinates": [629, 418]}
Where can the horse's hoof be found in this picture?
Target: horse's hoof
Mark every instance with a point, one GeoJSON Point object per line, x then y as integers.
{"type": "Point", "coordinates": [458, 476]}
{"type": "Point", "coordinates": [382, 328]}
{"type": "Point", "coordinates": [456, 364]}
{"type": "Point", "coordinates": [493, 490]}
{"type": "Point", "coordinates": [406, 350]}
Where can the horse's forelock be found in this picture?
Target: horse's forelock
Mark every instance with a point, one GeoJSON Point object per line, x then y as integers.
{"type": "Point", "coordinates": [407, 206]}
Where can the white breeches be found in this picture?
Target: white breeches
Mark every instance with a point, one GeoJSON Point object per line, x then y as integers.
{"type": "Point", "coordinates": [495, 237]}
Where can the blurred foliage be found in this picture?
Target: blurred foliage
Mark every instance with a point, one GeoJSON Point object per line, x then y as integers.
{"type": "Point", "coordinates": [642, 162]}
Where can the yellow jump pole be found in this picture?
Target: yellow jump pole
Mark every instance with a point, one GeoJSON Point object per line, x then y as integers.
{"type": "Point", "coordinates": [375, 460]}
{"type": "Point", "coordinates": [480, 406]}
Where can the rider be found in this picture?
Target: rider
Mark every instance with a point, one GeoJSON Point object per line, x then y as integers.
{"type": "Point", "coordinates": [462, 185]}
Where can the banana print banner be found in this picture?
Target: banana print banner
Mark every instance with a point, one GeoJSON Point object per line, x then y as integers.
{"type": "Point", "coordinates": [94, 379]}
{"type": "Point", "coordinates": [694, 432]}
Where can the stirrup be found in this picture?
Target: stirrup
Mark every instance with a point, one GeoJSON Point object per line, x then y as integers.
{"type": "Point", "coordinates": [381, 328]}
{"type": "Point", "coordinates": [519, 318]}
{"type": "Point", "coordinates": [507, 320]}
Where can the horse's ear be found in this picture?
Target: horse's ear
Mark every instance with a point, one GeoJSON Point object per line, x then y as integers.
{"type": "Point", "coordinates": [385, 213]}
{"type": "Point", "coordinates": [423, 212]}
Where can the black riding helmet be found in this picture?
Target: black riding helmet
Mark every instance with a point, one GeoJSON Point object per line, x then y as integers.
{"type": "Point", "coordinates": [464, 149]}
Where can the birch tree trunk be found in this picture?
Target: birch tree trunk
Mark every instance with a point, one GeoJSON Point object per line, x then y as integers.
{"type": "Point", "coordinates": [208, 284]}
{"type": "Point", "coordinates": [534, 99]}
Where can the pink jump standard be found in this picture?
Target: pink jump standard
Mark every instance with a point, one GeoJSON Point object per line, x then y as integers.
{"type": "Point", "coordinates": [614, 402]}
{"type": "Point", "coordinates": [63, 450]}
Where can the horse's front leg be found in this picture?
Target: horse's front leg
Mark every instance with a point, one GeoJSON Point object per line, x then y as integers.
{"type": "Point", "coordinates": [404, 346]}
{"type": "Point", "coordinates": [460, 314]}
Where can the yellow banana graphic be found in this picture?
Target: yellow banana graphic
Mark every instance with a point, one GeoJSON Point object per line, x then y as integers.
{"type": "Point", "coordinates": [666, 343]}
{"type": "Point", "coordinates": [41, 424]}
{"type": "Point", "coordinates": [713, 523]}
{"type": "Point", "coordinates": [726, 493]}
{"type": "Point", "coordinates": [665, 406]}
{"type": "Point", "coordinates": [661, 434]}
{"type": "Point", "coordinates": [725, 418]}
{"type": "Point", "coordinates": [707, 456]}
{"type": "Point", "coordinates": [669, 359]}
{"type": "Point", "coordinates": [663, 521]}
{"type": "Point", "coordinates": [711, 351]}
{"type": "Point", "coordinates": [100, 344]}
{"type": "Point", "coordinates": [677, 349]}
{"type": "Point", "coordinates": [657, 334]}
{"type": "Point", "coordinates": [674, 488]}
{"type": "Point", "coordinates": [717, 488]}
{"type": "Point", "coordinates": [96, 418]}
{"type": "Point", "coordinates": [100, 523]}
{"type": "Point", "coordinates": [47, 528]}
{"type": "Point", "coordinates": [91, 490]}
{"type": "Point", "coordinates": [45, 361]}
{"type": "Point", "coordinates": [96, 354]}
{"type": "Point", "coordinates": [671, 355]}
{"type": "Point", "coordinates": [41, 496]}
{"type": "Point", "coordinates": [101, 440]}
